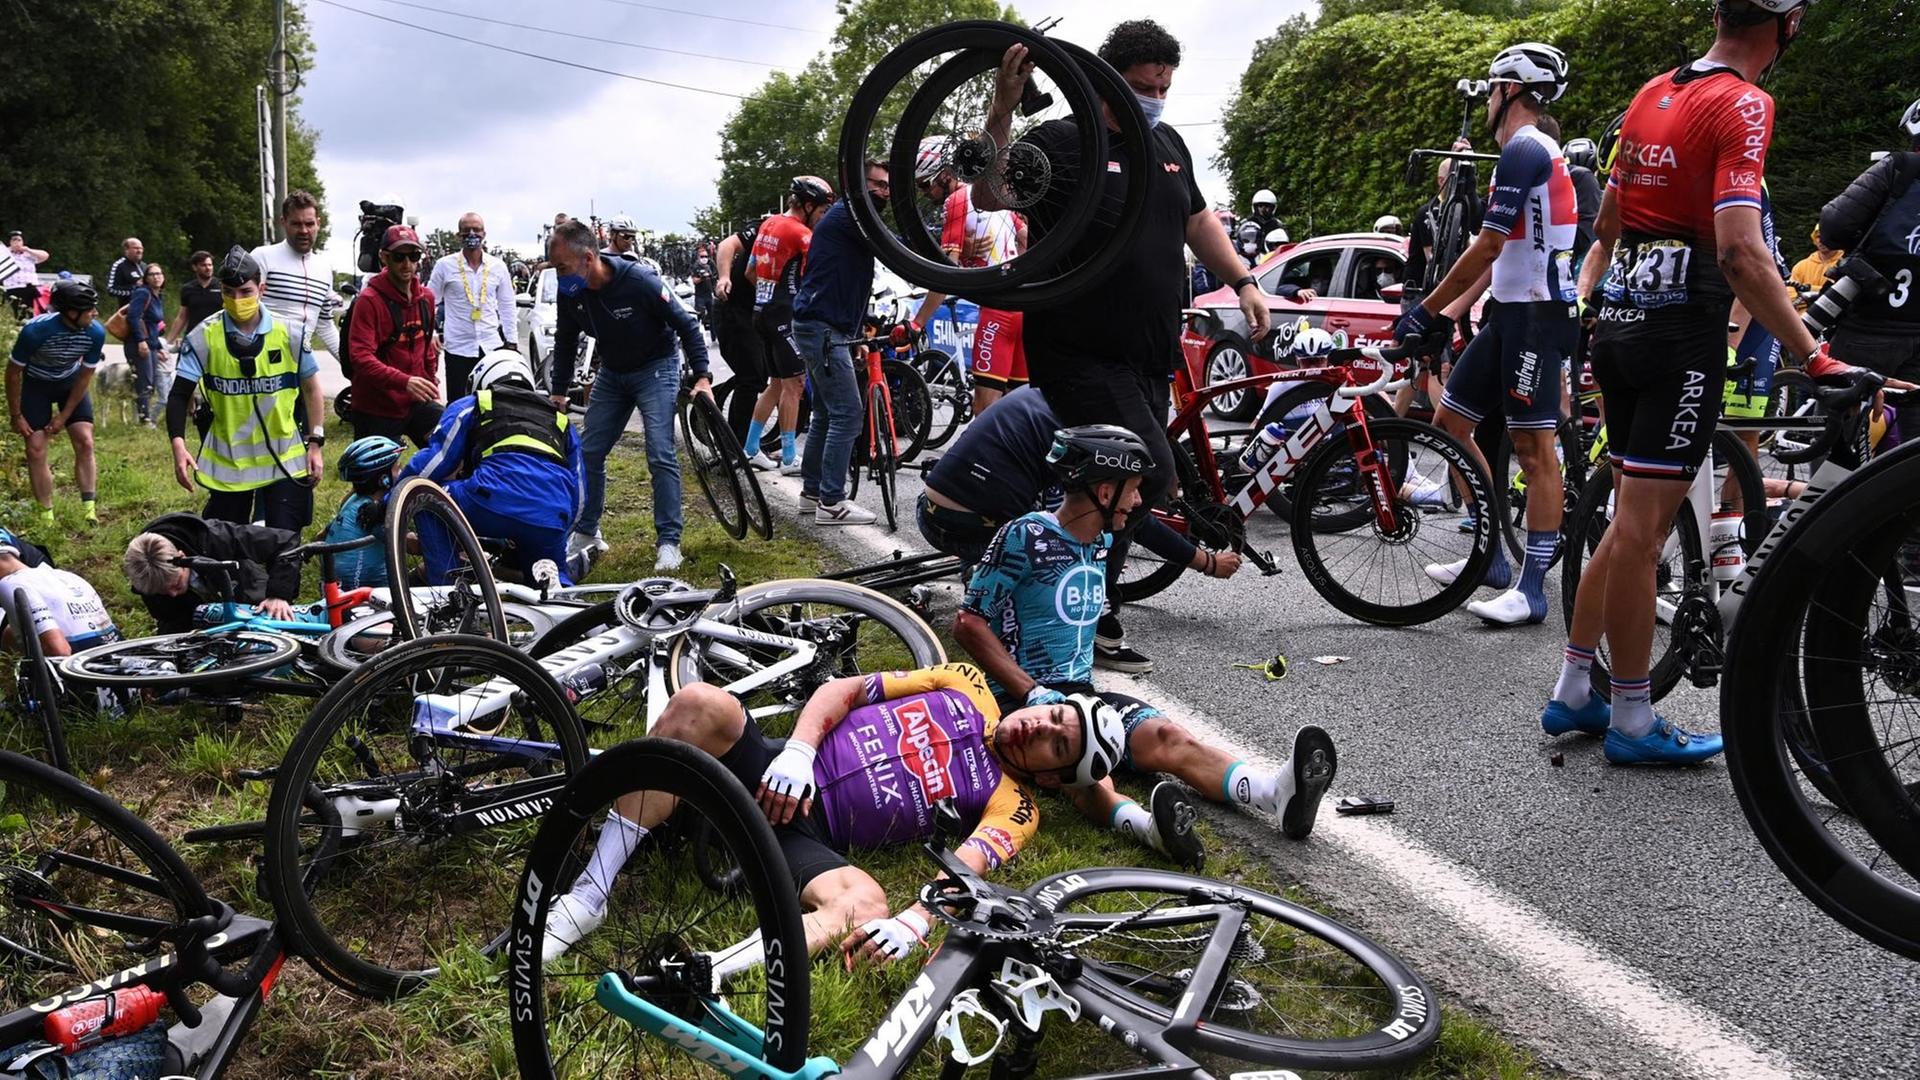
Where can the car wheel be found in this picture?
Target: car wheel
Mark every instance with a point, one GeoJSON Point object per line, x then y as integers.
{"type": "Point", "coordinates": [1227, 362]}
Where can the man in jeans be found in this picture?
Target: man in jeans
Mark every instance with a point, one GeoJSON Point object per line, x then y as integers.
{"type": "Point", "coordinates": [832, 296]}
{"type": "Point", "coordinates": [634, 319]}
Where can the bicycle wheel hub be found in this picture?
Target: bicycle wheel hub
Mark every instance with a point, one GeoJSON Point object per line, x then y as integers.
{"type": "Point", "coordinates": [1023, 177]}
{"type": "Point", "coordinates": [1406, 525]}
{"type": "Point", "coordinates": [971, 158]}
{"type": "Point", "coordinates": [1894, 654]}
{"type": "Point", "coordinates": [686, 975]}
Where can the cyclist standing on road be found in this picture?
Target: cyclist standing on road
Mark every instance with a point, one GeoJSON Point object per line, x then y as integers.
{"type": "Point", "coordinates": [640, 330]}
{"type": "Point", "coordinates": [1530, 328]}
{"type": "Point", "coordinates": [1878, 219]}
{"type": "Point", "coordinates": [974, 238]}
{"type": "Point", "coordinates": [259, 384]}
{"type": "Point", "coordinates": [1028, 621]}
{"type": "Point", "coordinates": [1680, 237]}
{"type": "Point", "coordinates": [50, 370]}
{"type": "Point", "coordinates": [296, 284]}
{"type": "Point", "coordinates": [733, 329]}
{"type": "Point", "coordinates": [779, 254]}
{"type": "Point", "coordinates": [1105, 356]}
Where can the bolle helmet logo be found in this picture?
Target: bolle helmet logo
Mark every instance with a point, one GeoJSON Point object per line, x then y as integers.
{"type": "Point", "coordinates": [1101, 457]}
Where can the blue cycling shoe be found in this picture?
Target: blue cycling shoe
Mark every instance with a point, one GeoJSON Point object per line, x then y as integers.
{"type": "Point", "coordinates": [1558, 718]}
{"type": "Point", "coordinates": [1664, 745]}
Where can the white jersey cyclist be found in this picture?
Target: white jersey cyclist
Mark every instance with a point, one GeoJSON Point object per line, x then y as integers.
{"type": "Point", "coordinates": [1533, 204]}
{"type": "Point", "coordinates": [63, 601]}
{"type": "Point", "coordinates": [966, 225]}
{"type": "Point", "coordinates": [298, 289]}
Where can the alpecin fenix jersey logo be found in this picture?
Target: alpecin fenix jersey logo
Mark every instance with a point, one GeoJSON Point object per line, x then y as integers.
{"type": "Point", "coordinates": [925, 749]}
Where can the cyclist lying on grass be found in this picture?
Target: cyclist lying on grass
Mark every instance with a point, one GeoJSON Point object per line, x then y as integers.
{"type": "Point", "coordinates": [868, 759]}
{"type": "Point", "coordinates": [67, 613]}
{"type": "Point", "coordinates": [1028, 619]}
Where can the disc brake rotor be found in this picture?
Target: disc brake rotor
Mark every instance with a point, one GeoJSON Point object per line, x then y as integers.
{"type": "Point", "coordinates": [1022, 177]}
{"type": "Point", "coordinates": [1894, 653]}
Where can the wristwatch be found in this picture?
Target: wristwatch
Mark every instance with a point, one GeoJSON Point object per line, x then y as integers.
{"type": "Point", "coordinates": [317, 437]}
{"type": "Point", "coordinates": [1244, 282]}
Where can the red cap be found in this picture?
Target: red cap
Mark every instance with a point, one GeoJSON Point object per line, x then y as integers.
{"type": "Point", "coordinates": [399, 236]}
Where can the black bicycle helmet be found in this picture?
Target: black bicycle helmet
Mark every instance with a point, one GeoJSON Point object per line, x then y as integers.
{"type": "Point", "coordinates": [72, 295]}
{"type": "Point", "coordinates": [1094, 453]}
{"type": "Point", "coordinates": [1583, 154]}
{"type": "Point", "coordinates": [237, 268]}
{"type": "Point", "coordinates": [811, 189]}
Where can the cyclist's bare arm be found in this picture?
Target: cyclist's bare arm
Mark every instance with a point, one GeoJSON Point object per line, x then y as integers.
{"type": "Point", "coordinates": [1749, 268]}
{"type": "Point", "coordinates": [978, 638]}
{"type": "Point", "coordinates": [1606, 233]}
{"type": "Point", "coordinates": [1473, 292]}
{"type": "Point", "coordinates": [1007, 85]}
{"type": "Point", "coordinates": [927, 307]}
{"type": "Point", "coordinates": [723, 266]}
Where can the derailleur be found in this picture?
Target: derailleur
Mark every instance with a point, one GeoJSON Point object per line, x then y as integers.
{"type": "Point", "coordinates": [1699, 636]}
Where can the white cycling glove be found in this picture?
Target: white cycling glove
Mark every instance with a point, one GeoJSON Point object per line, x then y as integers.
{"type": "Point", "coordinates": [791, 772]}
{"type": "Point", "coordinates": [899, 935]}
{"type": "Point", "coordinates": [1044, 695]}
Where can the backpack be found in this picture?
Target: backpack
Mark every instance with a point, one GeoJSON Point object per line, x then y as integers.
{"type": "Point", "coordinates": [396, 312]}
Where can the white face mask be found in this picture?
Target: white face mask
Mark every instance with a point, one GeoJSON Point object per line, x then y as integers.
{"type": "Point", "coordinates": [1153, 107]}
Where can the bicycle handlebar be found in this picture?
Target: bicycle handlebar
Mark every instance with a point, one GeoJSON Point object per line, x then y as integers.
{"type": "Point", "coordinates": [1838, 402]}
{"type": "Point", "coordinates": [319, 548]}
{"type": "Point", "coordinates": [1389, 358]}
{"type": "Point", "coordinates": [195, 562]}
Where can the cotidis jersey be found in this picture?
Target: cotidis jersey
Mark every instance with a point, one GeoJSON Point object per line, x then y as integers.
{"type": "Point", "coordinates": [1694, 143]}
{"type": "Point", "coordinates": [1533, 204]}
{"type": "Point", "coordinates": [779, 254]}
{"type": "Point", "coordinates": [60, 601]}
{"type": "Point", "coordinates": [964, 224]}
{"type": "Point", "coordinates": [917, 737]}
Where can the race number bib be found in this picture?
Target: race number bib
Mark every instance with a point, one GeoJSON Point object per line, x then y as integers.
{"type": "Point", "coordinates": [1650, 275]}
{"type": "Point", "coordinates": [763, 292]}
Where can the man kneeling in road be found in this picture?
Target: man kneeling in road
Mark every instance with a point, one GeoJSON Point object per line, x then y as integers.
{"type": "Point", "coordinates": [832, 787]}
{"type": "Point", "coordinates": [1028, 619]}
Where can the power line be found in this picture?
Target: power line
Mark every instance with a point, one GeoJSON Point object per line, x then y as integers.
{"type": "Point", "coordinates": [718, 18]}
{"type": "Point", "coordinates": [538, 56]}
{"type": "Point", "coordinates": [580, 37]}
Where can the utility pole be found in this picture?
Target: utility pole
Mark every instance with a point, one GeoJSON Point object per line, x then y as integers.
{"type": "Point", "coordinates": [280, 79]}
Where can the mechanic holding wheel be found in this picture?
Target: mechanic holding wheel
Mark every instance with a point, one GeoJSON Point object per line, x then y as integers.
{"type": "Point", "coordinates": [1106, 356]}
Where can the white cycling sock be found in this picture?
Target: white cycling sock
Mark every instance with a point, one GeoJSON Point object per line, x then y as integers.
{"type": "Point", "coordinates": [1260, 790]}
{"type": "Point", "coordinates": [738, 957]}
{"type": "Point", "coordinates": [1132, 819]}
{"type": "Point", "coordinates": [1633, 707]}
{"type": "Point", "coordinates": [1575, 688]}
{"type": "Point", "coordinates": [618, 838]}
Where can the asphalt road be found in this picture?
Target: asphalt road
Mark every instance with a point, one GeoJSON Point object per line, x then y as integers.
{"type": "Point", "coordinates": [1619, 922]}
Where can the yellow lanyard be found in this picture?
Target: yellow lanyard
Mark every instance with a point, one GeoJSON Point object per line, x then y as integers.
{"type": "Point", "coordinates": [472, 303]}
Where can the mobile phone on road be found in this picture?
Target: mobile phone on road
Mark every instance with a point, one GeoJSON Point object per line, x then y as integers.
{"type": "Point", "coordinates": [1363, 804]}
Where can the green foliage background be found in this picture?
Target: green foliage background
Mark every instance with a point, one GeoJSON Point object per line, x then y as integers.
{"type": "Point", "coordinates": [1329, 107]}
{"type": "Point", "coordinates": [138, 120]}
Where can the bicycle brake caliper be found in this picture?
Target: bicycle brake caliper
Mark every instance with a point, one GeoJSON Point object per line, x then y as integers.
{"type": "Point", "coordinates": [952, 1031]}
{"type": "Point", "coordinates": [1031, 993]}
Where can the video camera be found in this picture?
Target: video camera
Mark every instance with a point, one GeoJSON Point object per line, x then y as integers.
{"type": "Point", "coordinates": [374, 220]}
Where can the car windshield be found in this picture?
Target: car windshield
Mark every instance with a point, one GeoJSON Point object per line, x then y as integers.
{"type": "Point", "coordinates": [549, 286]}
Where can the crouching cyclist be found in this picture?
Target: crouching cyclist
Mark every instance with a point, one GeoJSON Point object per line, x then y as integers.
{"type": "Point", "coordinates": [1028, 619]}
{"type": "Point", "coordinates": [172, 592]}
{"type": "Point", "coordinates": [510, 460]}
{"type": "Point", "coordinates": [833, 787]}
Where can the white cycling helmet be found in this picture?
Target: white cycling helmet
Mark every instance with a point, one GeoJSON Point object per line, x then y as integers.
{"type": "Point", "coordinates": [1910, 123]}
{"type": "Point", "coordinates": [1387, 223]}
{"type": "Point", "coordinates": [932, 157]}
{"type": "Point", "coordinates": [1103, 740]}
{"type": "Point", "coordinates": [1310, 344]}
{"type": "Point", "coordinates": [499, 365]}
{"type": "Point", "coordinates": [621, 223]}
{"type": "Point", "coordinates": [1776, 7]}
{"type": "Point", "coordinates": [1265, 196]}
{"type": "Point", "coordinates": [1540, 68]}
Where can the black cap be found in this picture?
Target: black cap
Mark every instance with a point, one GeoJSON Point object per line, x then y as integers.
{"type": "Point", "coordinates": [237, 268]}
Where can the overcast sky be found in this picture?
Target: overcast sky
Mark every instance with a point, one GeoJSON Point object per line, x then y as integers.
{"type": "Point", "coordinates": [444, 126]}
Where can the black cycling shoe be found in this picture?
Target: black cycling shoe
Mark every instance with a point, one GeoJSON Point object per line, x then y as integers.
{"type": "Point", "coordinates": [1313, 763]}
{"type": "Point", "coordinates": [1116, 655]}
{"type": "Point", "coordinates": [1174, 815]}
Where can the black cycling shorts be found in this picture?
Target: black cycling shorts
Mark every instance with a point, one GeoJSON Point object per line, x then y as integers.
{"type": "Point", "coordinates": [1662, 374]}
{"type": "Point", "coordinates": [741, 347]}
{"type": "Point", "coordinates": [804, 840]}
{"type": "Point", "coordinates": [1514, 365]}
{"type": "Point", "coordinates": [40, 399]}
{"type": "Point", "coordinates": [776, 336]}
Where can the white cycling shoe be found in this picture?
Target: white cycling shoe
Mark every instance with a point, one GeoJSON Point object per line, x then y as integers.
{"type": "Point", "coordinates": [569, 920]}
{"type": "Point", "coordinates": [1510, 608]}
{"type": "Point", "coordinates": [1446, 573]}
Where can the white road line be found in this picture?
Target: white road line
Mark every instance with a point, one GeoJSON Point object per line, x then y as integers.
{"type": "Point", "coordinates": [1687, 1035]}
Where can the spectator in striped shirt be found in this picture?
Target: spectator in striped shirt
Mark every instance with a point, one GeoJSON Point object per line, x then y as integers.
{"type": "Point", "coordinates": [298, 286]}
{"type": "Point", "coordinates": [17, 274]}
{"type": "Point", "coordinates": [124, 275]}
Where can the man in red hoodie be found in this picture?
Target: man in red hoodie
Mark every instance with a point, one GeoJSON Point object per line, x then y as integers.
{"type": "Point", "coordinates": [395, 364]}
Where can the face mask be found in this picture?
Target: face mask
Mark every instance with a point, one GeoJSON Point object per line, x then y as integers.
{"type": "Point", "coordinates": [1386, 279]}
{"type": "Point", "coordinates": [243, 308]}
{"type": "Point", "coordinates": [571, 284]}
{"type": "Point", "coordinates": [472, 240]}
{"type": "Point", "coordinates": [1153, 107]}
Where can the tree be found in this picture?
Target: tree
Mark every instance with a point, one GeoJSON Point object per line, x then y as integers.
{"type": "Point", "coordinates": [142, 124]}
{"type": "Point", "coordinates": [790, 125]}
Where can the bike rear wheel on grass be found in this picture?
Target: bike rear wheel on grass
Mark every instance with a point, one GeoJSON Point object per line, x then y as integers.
{"type": "Point", "coordinates": [37, 688]}
{"type": "Point", "coordinates": [86, 888]}
{"type": "Point", "coordinates": [728, 482]}
{"type": "Point", "coordinates": [1374, 572]}
{"type": "Point", "coordinates": [430, 827]}
{"type": "Point", "coordinates": [1298, 989]}
{"type": "Point", "coordinates": [199, 658]}
{"type": "Point", "coordinates": [661, 923]}
{"type": "Point", "coordinates": [1818, 612]}
{"type": "Point", "coordinates": [468, 601]}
